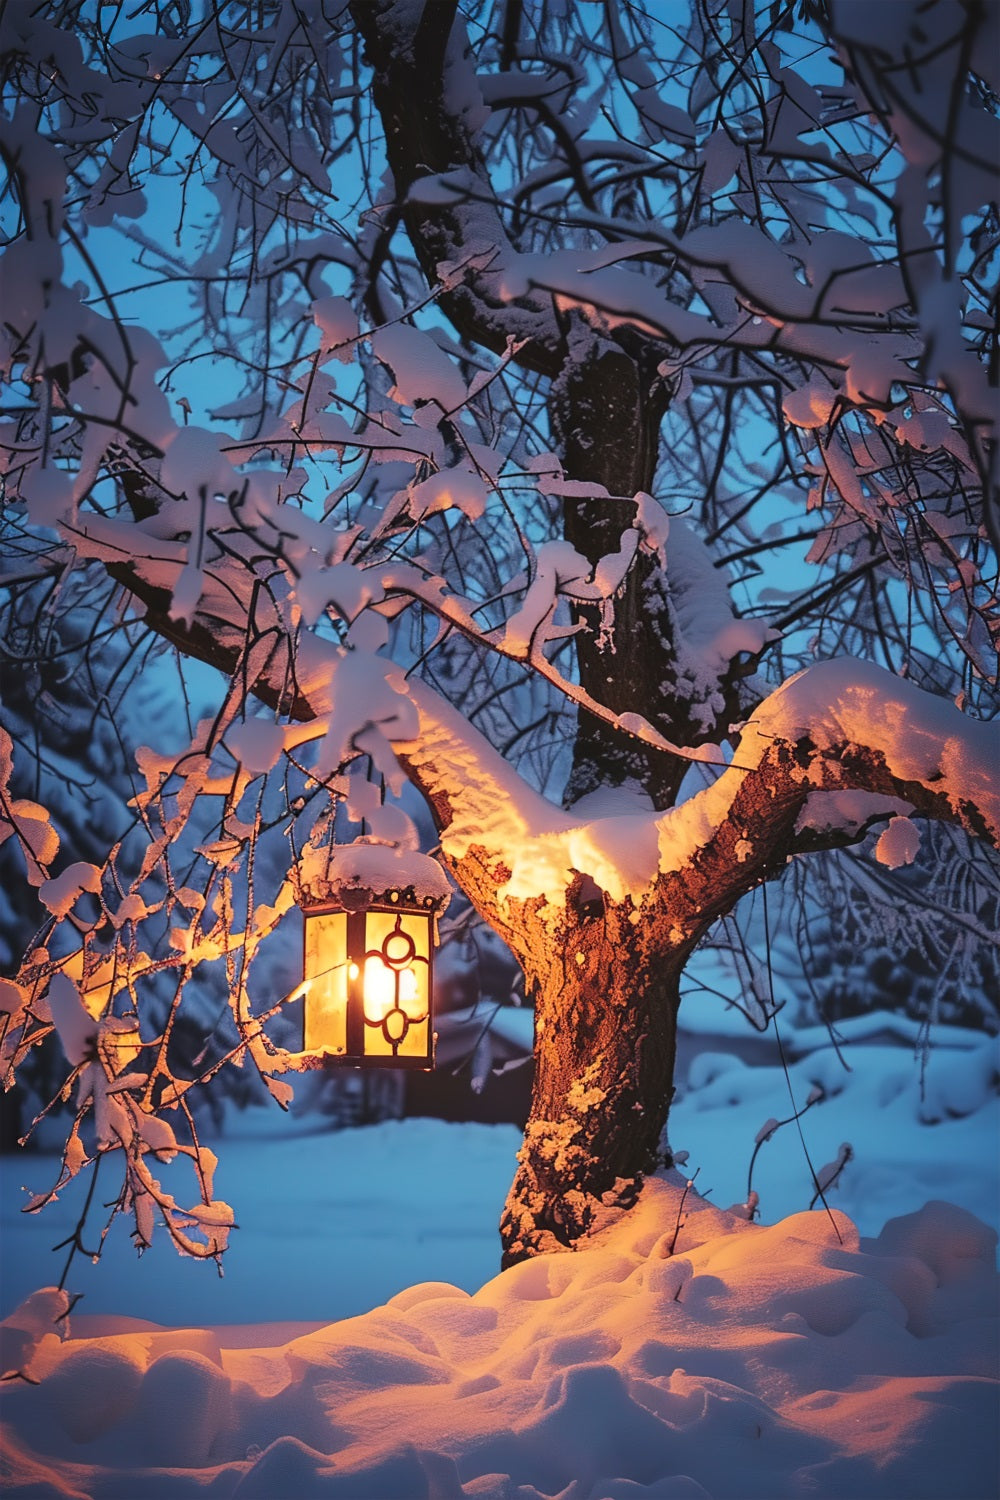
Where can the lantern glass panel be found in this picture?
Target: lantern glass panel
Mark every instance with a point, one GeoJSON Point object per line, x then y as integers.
{"type": "Point", "coordinates": [396, 991]}
{"type": "Point", "coordinates": [326, 969]}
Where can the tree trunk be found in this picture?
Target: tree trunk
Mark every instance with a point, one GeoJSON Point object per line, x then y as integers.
{"type": "Point", "coordinates": [605, 409]}
{"type": "Point", "coordinates": [605, 1032]}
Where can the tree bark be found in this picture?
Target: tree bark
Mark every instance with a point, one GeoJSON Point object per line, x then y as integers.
{"type": "Point", "coordinates": [606, 999]}
{"type": "Point", "coordinates": [416, 56]}
{"type": "Point", "coordinates": [605, 410]}
{"type": "Point", "coordinates": [606, 401]}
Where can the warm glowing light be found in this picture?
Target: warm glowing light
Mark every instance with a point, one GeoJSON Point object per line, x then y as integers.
{"type": "Point", "coordinates": [409, 991]}
{"type": "Point", "coordinates": [367, 971]}
{"type": "Point", "coordinates": [380, 989]}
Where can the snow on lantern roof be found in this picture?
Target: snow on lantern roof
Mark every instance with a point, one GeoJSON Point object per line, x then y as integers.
{"type": "Point", "coordinates": [355, 874]}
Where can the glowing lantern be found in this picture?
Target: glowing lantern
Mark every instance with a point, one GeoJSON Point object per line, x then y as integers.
{"type": "Point", "coordinates": [369, 941]}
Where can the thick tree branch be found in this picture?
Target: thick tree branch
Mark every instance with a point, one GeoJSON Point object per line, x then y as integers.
{"type": "Point", "coordinates": [607, 401]}
{"type": "Point", "coordinates": [841, 728]}
{"type": "Point", "coordinates": [426, 93]}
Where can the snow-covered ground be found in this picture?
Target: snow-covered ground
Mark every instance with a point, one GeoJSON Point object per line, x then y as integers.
{"type": "Point", "coordinates": [330, 1224]}
{"type": "Point", "coordinates": [739, 1362]}
{"type": "Point", "coordinates": [915, 1133]}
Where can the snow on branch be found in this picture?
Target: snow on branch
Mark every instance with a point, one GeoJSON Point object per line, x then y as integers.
{"type": "Point", "coordinates": [836, 748]}
{"type": "Point", "coordinates": [766, 306]}
{"type": "Point", "coordinates": [340, 693]}
{"type": "Point", "coordinates": [850, 711]}
{"type": "Point", "coordinates": [432, 109]}
{"type": "Point", "coordinates": [841, 727]}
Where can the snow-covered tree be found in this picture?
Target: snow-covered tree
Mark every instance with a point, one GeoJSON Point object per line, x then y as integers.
{"type": "Point", "coordinates": [580, 411]}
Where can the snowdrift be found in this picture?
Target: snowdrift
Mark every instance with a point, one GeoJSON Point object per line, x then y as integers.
{"type": "Point", "coordinates": [720, 1359]}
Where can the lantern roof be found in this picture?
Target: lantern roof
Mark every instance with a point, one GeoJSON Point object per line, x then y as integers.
{"type": "Point", "coordinates": [356, 874]}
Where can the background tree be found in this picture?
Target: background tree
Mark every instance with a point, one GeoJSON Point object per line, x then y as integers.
{"type": "Point", "coordinates": [466, 388]}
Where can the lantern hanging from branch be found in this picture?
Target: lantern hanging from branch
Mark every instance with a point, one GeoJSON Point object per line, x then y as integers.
{"type": "Point", "coordinates": [368, 958]}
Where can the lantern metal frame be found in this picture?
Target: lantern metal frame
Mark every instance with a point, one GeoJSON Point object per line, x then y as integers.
{"type": "Point", "coordinates": [368, 971]}
{"type": "Point", "coordinates": [397, 902]}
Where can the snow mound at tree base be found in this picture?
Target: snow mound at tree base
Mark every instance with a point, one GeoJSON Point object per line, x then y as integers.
{"type": "Point", "coordinates": [726, 1360]}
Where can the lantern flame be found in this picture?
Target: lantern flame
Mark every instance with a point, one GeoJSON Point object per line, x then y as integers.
{"type": "Point", "coordinates": [380, 988]}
